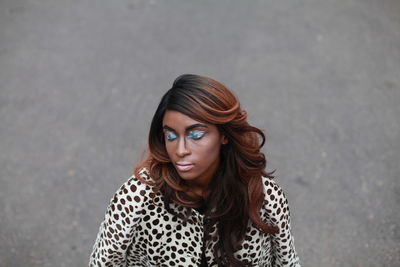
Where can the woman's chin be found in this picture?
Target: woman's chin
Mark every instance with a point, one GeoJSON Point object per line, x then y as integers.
{"type": "Point", "coordinates": [186, 175]}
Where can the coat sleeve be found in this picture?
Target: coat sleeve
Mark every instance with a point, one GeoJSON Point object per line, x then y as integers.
{"type": "Point", "coordinates": [116, 231]}
{"type": "Point", "coordinates": [276, 212]}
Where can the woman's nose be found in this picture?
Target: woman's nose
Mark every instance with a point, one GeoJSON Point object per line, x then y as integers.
{"type": "Point", "coordinates": [182, 149]}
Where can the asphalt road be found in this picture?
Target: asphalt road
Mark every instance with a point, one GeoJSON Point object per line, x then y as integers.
{"type": "Point", "coordinates": [80, 80]}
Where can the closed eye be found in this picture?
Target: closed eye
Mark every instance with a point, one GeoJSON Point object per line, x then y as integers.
{"type": "Point", "coordinates": [170, 136]}
{"type": "Point", "coordinates": [196, 134]}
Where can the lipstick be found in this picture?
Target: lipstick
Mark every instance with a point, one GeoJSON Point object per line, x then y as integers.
{"type": "Point", "coordinates": [184, 166]}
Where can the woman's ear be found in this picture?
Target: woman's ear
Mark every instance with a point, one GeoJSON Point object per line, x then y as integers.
{"type": "Point", "coordinates": [224, 140]}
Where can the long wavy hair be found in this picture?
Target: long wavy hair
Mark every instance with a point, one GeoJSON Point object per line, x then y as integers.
{"type": "Point", "coordinates": [236, 190]}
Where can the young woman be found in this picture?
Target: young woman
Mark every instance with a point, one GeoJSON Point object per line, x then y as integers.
{"type": "Point", "coordinates": [202, 197]}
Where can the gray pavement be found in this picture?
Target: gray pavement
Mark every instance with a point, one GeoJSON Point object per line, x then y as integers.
{"type": "Point", "coordinates": [80, 80]}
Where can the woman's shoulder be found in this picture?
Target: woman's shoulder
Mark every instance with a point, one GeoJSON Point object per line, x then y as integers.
{"type": "Point", "coordinates": [135, 189]}
{"type": "Point", "coordinates": [275, 209]}
{"type": "Point", "coordinates": [271, 186]}
{"type": "Point", "coordinates": [143, 177]}
{"type": "Point", "coordinates": [274, 196]}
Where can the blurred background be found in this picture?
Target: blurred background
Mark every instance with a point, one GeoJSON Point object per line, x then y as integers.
{"type": "Point", "coordinates": [80, 81]}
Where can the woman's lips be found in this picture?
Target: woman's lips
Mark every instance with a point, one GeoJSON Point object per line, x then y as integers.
{"type": "Point", "coordinates": [184, 166]}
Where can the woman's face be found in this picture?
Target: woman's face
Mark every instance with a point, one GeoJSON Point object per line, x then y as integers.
{"type": "Point", "coordinates": [192, 146]}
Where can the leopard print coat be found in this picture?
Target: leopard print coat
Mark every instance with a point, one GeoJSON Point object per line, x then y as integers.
{"type": "Point", "coordinates": [139, 231]}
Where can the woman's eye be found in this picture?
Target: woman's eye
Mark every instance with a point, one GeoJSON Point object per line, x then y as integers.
{"type": "Point", "coordinates": [196, 135]}
{"type": "Point", "coordinates": [170, 136]}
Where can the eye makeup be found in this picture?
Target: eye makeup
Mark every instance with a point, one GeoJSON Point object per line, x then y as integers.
{"type": "Point", "coordinates": [193, 134]}
{"type": "Point", "coordinates": [170, 136]}
{"type": "Point", "coordinates": [196, 134]}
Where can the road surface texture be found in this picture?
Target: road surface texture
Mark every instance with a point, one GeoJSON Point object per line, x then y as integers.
{"type": "Point", "coordinates": [80, 81]}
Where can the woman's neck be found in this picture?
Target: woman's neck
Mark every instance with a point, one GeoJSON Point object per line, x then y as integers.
{"type": "Point", "coordinates": [198, 191]}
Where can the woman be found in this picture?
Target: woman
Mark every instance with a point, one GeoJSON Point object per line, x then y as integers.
{"type": "Point", "coordinates": [202, 197]}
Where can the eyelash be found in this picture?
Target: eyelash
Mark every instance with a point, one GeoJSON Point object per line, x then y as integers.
{"type": "Point", "coordinates": [194, 135]}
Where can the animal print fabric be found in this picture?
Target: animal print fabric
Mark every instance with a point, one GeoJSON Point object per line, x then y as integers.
{"type": "Point", "coordinates": [138, 231]}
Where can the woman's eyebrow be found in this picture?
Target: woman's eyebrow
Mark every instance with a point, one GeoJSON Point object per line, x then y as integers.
{"type": "Point", "coordinates": [197, 125]}
{"type": "Point", "coordinates": [166, 127]}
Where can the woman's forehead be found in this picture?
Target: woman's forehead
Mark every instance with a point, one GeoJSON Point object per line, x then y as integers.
{"type": "Point", "coordinates": [177, 120]}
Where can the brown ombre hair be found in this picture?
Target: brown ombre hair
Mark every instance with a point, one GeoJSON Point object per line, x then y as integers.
{"type": "Point", "coordinates": [235, 193]}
